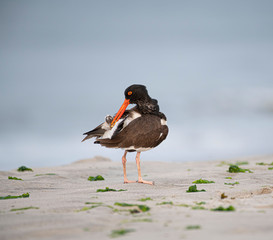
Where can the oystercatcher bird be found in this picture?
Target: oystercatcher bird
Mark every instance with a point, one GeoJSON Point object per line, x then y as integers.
{"type": "Point", "coordinates": [139, 129]}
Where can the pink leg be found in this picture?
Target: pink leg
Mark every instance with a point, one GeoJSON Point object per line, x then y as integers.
{"type": "Point", "coordinates": [124, 160]}
{"type": "Point", "coordinates": [140, 180]}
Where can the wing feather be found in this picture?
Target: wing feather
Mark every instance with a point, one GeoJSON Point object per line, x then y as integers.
{"type": "Point", "coordinates": [143, 132]}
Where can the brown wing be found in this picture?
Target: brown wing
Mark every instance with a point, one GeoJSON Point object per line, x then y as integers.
{"type": "Point", "coordinates": [143, 132]}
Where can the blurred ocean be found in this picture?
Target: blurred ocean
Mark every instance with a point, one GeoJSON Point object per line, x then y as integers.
{"type": "Point", "coordinates": [65, 65]}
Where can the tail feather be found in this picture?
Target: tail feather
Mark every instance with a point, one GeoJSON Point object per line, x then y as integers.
{"type": "Point", "coordinates": [107, 142]}
{"type": "Point", "coordinates": [88, 137]}
{"type": "Point", "coordinates": [97, 132]}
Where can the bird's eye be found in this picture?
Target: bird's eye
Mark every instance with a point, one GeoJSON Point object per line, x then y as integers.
{"type": "Point", "coordinates": [130, 93]}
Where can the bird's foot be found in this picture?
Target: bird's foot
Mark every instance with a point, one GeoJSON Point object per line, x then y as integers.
{"type": "Point", "coordinates": [128, 181]}
{"type": "Point", "coordinates": [140, 180]}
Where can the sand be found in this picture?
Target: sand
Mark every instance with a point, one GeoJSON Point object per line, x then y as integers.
{"type": "Point", "coordinates": [60, 210]}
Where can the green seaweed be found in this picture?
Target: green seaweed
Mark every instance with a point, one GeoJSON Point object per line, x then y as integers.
{"type": "Point", "coordinates": [232, 183]}
{"type": "Point", "coordinates": [145, 199]}
{"type": "Point", "coordinates": [222, 163]}
{"type": "Point", "coordinates": [222, 209]}
{"type": "Point", "coordinates": [270, 168]}
{"type": "Point", "coordinates": [200, 203]}
{"type": "Point", "coordinates": [120, 232]}
{"type": "Point", "coordinates": [22, 209]}
{"type": "Point", "coordinates": [44, 174]}
{"type": "Point", "coordinates": [202, 181]}
{"type": "Point", "coordinates": [15, 178]}
{"type": "Point", "coordinates": [97, 178]}
{"type": "Point", "coordinates": [94, 203]}
{"type": "Point", "coordinates": [194, 207]}
{"type": "Point", "coordinates": [142, 208]}
{"type": "Point", "coordinates": [193, 188]}
{"type": "Point", "coordinates": [87, 208]}
{"type": "Point", "coordinates": [264, 164]}
{"type": "Point", "coordinates": [136, 220]}
{"type": "Point", "coordinates": [198, 208]}
{"type": "Point", "coordinates": [192, 227]}
{"type": "Point", "coordinates": [183, 205]}
{"type": "Point", "coordinates": [23, 169]}
{"type": "Point", "coordinates": [236, 169]}
{"type": "Point", "coordinates": [24, 195]}
{"type": "Point", "coordinates": [228, 177]}
{"type": "Point", "coordinates": [165, 203]}
{"type": "Point", "coordinates": [107, 189]}
{"type": "Point", "coordinates": [241, 163]}
{"type": "Point", "coordinates": [142, 220]}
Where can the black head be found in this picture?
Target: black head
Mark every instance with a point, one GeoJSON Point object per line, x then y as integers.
{"type": "Point", "coordinates": [136, 93]}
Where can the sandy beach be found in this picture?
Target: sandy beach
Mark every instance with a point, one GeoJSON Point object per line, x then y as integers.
{"type": "Point", "coordinates": [63, 204]}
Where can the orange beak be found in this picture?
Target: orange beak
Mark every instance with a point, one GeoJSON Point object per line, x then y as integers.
{"type": "Point", "coordinates": [120, 112]}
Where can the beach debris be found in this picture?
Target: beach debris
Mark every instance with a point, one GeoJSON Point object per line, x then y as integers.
{"type": "Point", "coordinates": [193, 227]}
{"type": "Point", "coordinates": [232, 183]}
{"type": "Point", "coordinates": [120, 232]}
{"type": "Point", "coordinates": [97, 178]}
{"type": "Point", "coordinates": [141, 208]}
{"type": "Point", "coordinates": [165, 203]}
{"type": "Point", "coordinates": [15, 178]}
{"type": "Point", "coordinates": [22, 209]}
{"type": "Point", "coordinates": [223, 196]}
{"type": "Point", "coordinates": [236, 169]}
{"type": "Point", "coordinates": [193, 188]}
{"type": "Point", "coordinates": [24, 195]}
{"type": "Point", "coordinates": [222, 209]}
{"type": "Point", "coordinates": [23, 169]}
{"type": "Point", "coordinates": [133, 211]}
{"type": "Point", "coordinates": [145, 199]}
{"type": "Point", "coordinates": [202, 181]}
{"type": "Point", "coordinates": [107, 189]}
